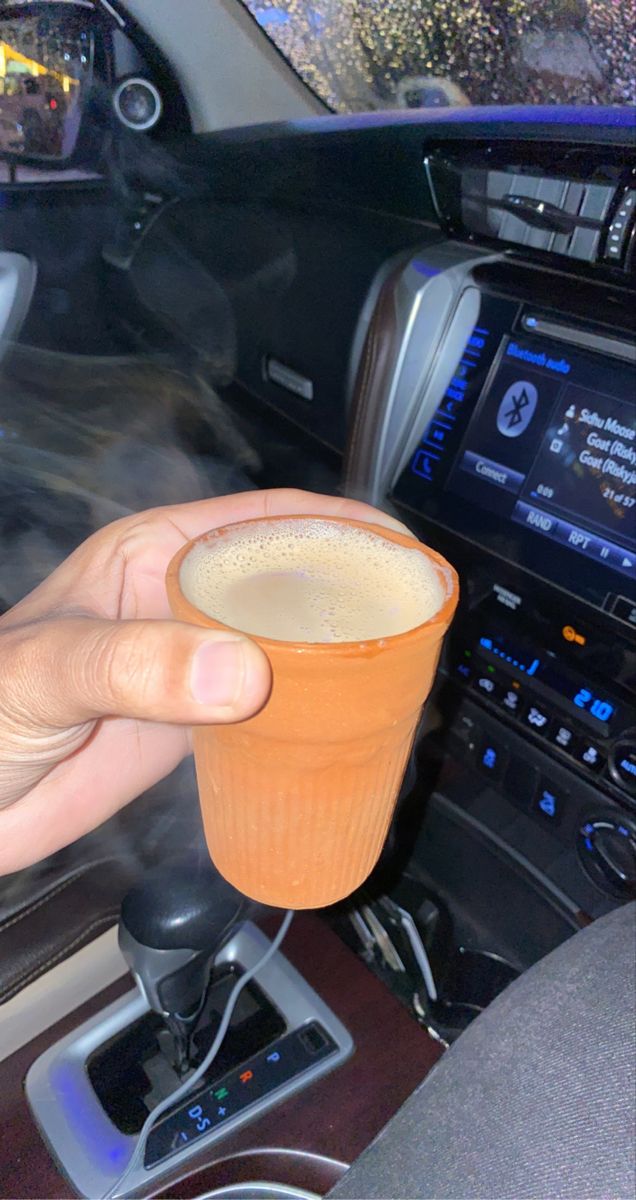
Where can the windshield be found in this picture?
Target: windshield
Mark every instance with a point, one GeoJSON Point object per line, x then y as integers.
{"type": "Point", "coordinates": [358, 55]}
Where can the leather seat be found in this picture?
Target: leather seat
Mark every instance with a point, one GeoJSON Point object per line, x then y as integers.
{"type": "Point", "coordinates": [52, 909]}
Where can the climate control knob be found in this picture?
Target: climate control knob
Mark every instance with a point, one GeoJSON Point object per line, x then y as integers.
{"type": "Point", "coordinates": [607, 849]}
{"type": "Point", "coordinates": [623, 762]}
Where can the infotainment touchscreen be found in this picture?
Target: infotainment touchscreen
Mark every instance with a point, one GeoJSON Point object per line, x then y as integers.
{"type": "Point", "coordinates": [553, 445]}
{"type": "Point", "coordinates": [541, 435]}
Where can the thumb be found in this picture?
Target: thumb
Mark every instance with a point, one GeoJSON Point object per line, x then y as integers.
{"type": "Point", "coordinates": [61, 673]}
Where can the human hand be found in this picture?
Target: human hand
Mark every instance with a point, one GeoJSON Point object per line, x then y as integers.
{"type": "Point", "coordinates": [99, 686]}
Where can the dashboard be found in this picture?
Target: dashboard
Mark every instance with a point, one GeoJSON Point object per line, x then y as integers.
{"type": "Point", "coordinates": [524, 474]}
{"type": "Point", "coordinates": [443, 304]}
{"type": "Point", "coordinates": [498, 417]}
{"type": "Point", "coordinates": [434, 312]}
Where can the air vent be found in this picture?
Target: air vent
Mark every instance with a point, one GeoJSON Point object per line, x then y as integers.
{"type": "Point", "coordinates": [542, 213]}
{"type": "Point", "coordinates": [575, 202]}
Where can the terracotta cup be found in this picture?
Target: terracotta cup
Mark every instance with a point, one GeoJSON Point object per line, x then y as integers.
{"type": "Point", "coordinates": [297, 800]}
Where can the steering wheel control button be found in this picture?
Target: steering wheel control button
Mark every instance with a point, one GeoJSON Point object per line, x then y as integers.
{"type": "Point", "coordinates": [590, 756]}
{"type": "Point", "coordinates": [537, 719]}
{"type": "Point", "coordinates": [623, 764]}
{"type": "Point", "coordinates": [607, 849]}
{"type": "Point", "coordinates": [549, 802]}
{"type": "Point", "coordinates": [492, 757]}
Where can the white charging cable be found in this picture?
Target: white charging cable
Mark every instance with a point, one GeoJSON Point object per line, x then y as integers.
{"type": "Point", "coordinates": [138, 1153]}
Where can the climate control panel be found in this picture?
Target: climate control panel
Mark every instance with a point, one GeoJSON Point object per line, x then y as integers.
{"type": "Point", "coordinates": [583, 724]}
{"type": "Point", "coordinates": [560, 826]}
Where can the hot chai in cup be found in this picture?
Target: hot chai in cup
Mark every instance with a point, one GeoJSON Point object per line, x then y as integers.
{"type": "Point", "coordinates": [297, 800]}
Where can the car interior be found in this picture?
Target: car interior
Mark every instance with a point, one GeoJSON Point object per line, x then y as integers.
{"type": "Point", "coordinates": [387, 252]}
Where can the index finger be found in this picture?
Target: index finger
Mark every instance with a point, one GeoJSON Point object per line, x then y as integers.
{"type": "Point", "coordinates": [120, 571]}
{"type": "Point", "coordinates": [197, 517]}
{"type": "Point", "coordinates": [146, 596]}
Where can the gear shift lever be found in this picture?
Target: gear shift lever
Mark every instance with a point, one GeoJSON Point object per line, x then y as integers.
{"type": "Point", "coordinates": [172, 925]}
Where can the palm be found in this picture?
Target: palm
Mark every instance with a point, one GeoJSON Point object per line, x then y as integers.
{"type": "Point", "coordinates": [120, 574]}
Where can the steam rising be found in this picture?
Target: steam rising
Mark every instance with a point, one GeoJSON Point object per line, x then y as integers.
{"type": "Point", "coordinates": [86, 437]}
{"type": "Point", "coordinates": [82, 442]}
{"type": "Point", "coordinates": [85, 441]}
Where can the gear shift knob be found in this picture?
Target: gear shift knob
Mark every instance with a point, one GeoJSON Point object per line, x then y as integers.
{"type": "Point", "coordinates": [172, 925]}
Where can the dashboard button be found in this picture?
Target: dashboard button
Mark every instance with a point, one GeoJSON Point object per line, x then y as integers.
{"type": "Point", "coordinates": [550, 801]}
{"type": "Point", "coordinates": [511, 700]}
{"type": "Point", "coordinates": [488, 686]}
{"type": "Point", "coordinates": [463, 671]}
{"type": "Point", "coordinates": [467, 734]}
{"type": "Point", "coordinates": [564, 737]}
{"type": "Point", "coordinates": [466, 728]}
{"type": "Point", "coordinates": [623, 560]}
{"type": "Point", "coordinates": [492, 757]}
{"type": "Point", "coordinates": [536, 519]}
{"type": "Point", "coordinates": [579, 539]}
{"type": "Point", "coordinates": [537, 718]}
{"type": "Point", "coordinates": [497, 473]}
{"type": "Point", "coordinates": [590, 756]}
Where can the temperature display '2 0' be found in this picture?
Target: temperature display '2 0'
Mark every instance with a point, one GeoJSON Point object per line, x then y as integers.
{"type": "Point", "coordinates": [597, 707]}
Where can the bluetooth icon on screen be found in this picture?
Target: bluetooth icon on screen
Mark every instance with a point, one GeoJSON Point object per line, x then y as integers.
{"type": "Point", "coordinates": [517, 408]}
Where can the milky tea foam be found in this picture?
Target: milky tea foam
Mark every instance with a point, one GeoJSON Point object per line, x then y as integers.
{"type": "Point", "coordinates": [311, 580]}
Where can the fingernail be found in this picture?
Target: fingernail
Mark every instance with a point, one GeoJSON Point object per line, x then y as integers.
{"type": "Point", "coordinates": [218, 672]}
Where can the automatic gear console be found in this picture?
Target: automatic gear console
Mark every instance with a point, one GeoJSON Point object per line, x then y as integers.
{"type": "Point", "coordinates": [285, 1039]}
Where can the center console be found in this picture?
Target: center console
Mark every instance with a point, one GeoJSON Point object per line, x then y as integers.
{"type": "Point", "coordinates": [91, 1092]}
{"type": "Point", "coordinates": [503, 407]}
{"type": "Point", "coordinates": [293, 1125]}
